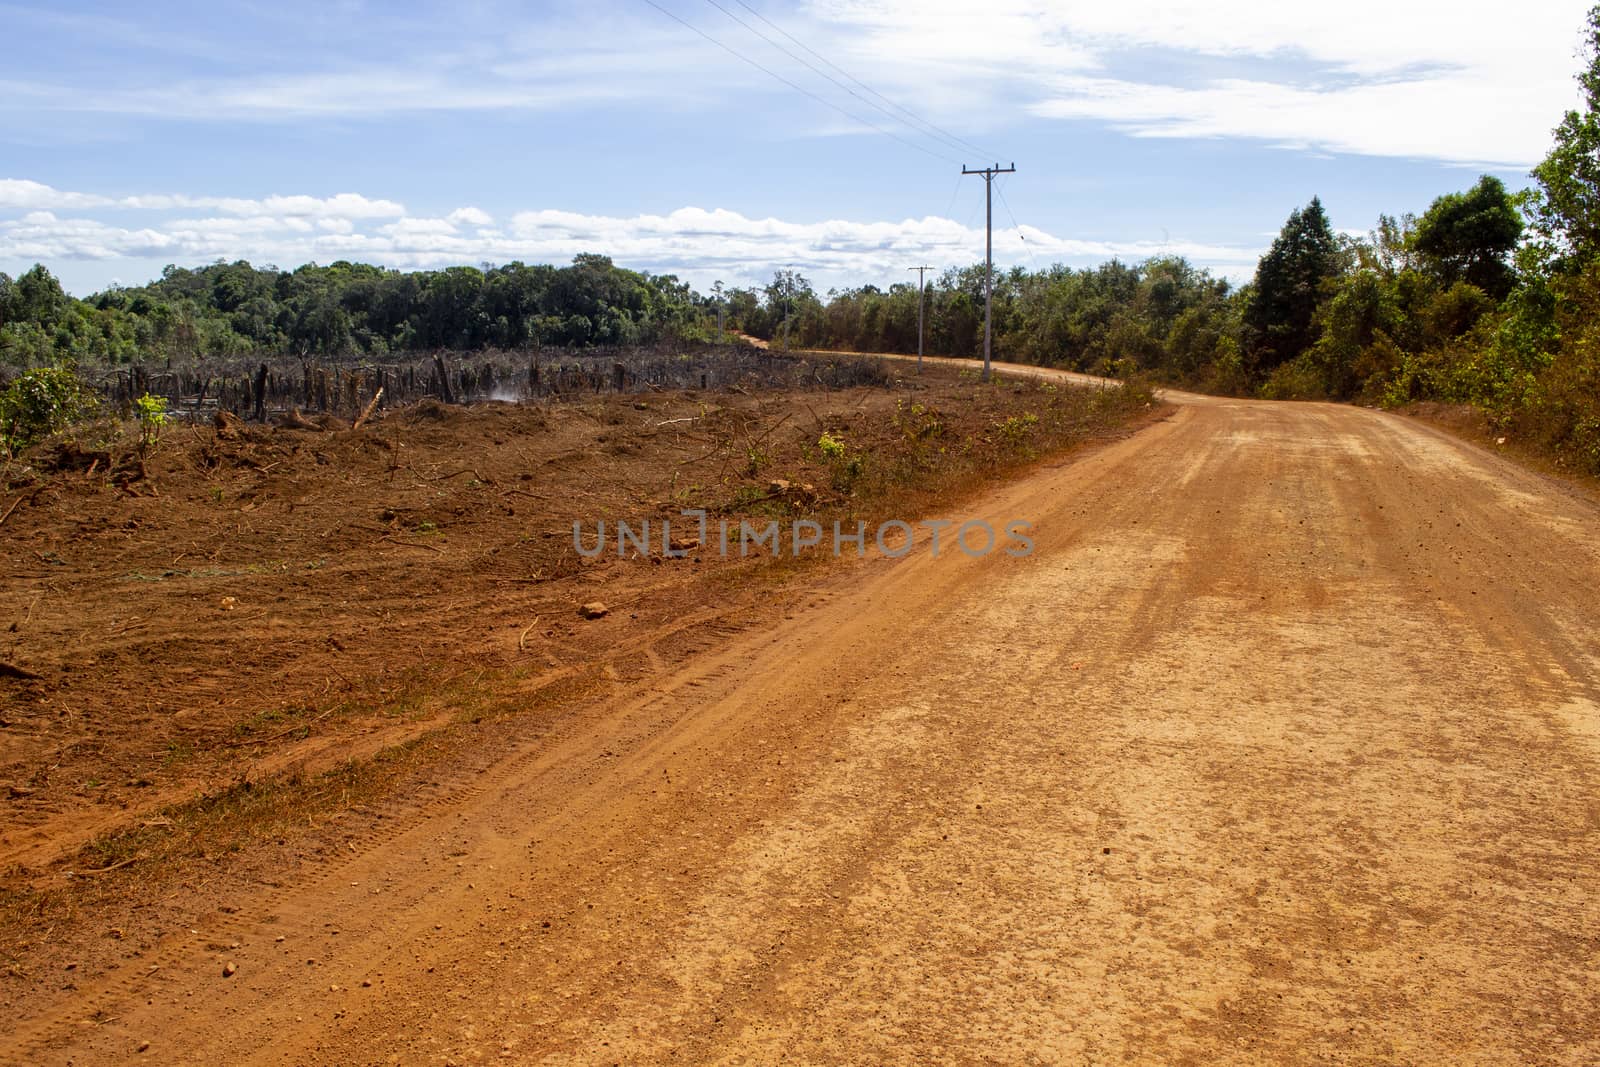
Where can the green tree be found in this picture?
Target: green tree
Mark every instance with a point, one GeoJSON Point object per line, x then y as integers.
{"type": "Point", "coordinates": [8, 299]}
{"type": "Point", "coordinates": [1353, 324]}
{"type": "Point", "coordinates": [39, 297]}
{"type": "Point", "coordinates": [1289, 285]}
{"type": "Point", "coordinates": [1564, 204]}
{"type": "Point", "coordinates": [1467, 237]}
{"type": "Point", "coordinates": [789, 299]}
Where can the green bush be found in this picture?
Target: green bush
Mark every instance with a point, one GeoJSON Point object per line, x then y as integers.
{"type": "Point", "coordinates": [39, 403]}
{"type": "Point", "coordinates": [1298, 379]}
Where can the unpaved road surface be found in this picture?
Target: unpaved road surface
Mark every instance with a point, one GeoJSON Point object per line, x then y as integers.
{"type": "Point", "coordinates": [1283, 746]}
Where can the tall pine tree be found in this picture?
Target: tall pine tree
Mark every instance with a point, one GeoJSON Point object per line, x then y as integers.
{"type": "Point", "coordinates": [1289, 285]}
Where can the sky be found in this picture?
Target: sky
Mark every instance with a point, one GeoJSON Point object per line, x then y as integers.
{"type": "Point", "coordinates": [720, 140]}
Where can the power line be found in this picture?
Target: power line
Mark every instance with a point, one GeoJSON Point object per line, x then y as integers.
{"type": "Point", "coordinates": [1001, 189]}
{"type": "Point", "coordinates": [820, 72]}
{"type": "Point", "coordinates": [797, 88]}
{"type": "Point", "coordinates": [1034, 263]}
{"type": "Point", "coordinates": [953, 194]}
{"type": "Point", "coordinates": [911, 117]}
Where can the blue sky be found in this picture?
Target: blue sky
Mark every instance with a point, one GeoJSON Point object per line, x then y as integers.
{"type": "Point", "coordinates": [420, 135]}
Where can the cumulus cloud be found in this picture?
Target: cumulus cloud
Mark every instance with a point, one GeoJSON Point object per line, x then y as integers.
{"type": "Point", "coordinates": [470, 216]}
{"type": "Point", "coordinates": [696, 243]}
{"type": "Point", "coordinates": [405, 230]}
{"type": "Point", "coordinates": [22, 193]}
{"type": "Point", "coordinates": [344, 206]}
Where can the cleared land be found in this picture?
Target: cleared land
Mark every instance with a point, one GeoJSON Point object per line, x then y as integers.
{"type": "Point", "coordinates": [1283, 746]}
{"type": "Point", "coordinates": [277, 630]}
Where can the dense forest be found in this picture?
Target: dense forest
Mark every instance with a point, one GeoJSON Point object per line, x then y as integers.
{"type": "Point", "coordinates": [342, 309]}
{"type": "Point", "coordinates": [1486, 298]}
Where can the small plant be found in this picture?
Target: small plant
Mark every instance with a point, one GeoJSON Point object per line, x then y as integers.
{"type": "Point", "coordinates": [151, 414]}
{"type": "Point", "coordinates": [755, 460]}
{"type": "Point", "coordinates": [1016, 430]}
{"type": "Point", "coordinates": [917, 421]}
{"type": "Point", "coordinates": [846, 468]}
{"type": "Point", "coordinates": [746, 497]}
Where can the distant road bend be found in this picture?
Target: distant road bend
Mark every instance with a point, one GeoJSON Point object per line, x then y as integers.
{"type": "Point", "coordinates": [1283, 747]}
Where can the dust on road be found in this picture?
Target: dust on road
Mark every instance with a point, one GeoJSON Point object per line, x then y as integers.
{"type": "Point", "coordinates": [1281, 747]}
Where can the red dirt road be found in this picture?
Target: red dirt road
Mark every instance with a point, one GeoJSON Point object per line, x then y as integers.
{"type": "Point", "coordinates": [1283, 747]}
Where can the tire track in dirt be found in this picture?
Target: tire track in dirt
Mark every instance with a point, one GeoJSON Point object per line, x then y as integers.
{"type": "Point", "coordinates": [275, 917]}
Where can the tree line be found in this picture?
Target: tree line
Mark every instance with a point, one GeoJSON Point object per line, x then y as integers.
{"type": "Point", "coordinates": [343, 309]}
{"type": "Point", "coordinates": [1327, 315]}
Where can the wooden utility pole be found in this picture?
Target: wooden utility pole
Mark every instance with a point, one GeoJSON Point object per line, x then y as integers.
{"type": "Point", "coordinates": [988, 249]}
{"type": "Point", "coordinates": [921, 291]}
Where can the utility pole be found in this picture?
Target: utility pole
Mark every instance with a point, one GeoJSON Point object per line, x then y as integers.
{"type": "Point", "coordinates": [988, 248]}
{"type": "Point", "coordinates": [921, 291]}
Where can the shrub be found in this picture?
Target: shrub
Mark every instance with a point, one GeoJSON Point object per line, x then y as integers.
{"type": "Point", "coordinates": [39, 403]}
{"type": "Point", "coordinates": [1298, 379]}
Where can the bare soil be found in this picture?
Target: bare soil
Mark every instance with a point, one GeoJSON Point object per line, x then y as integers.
{"type": "Point", "coordinates": [1283, 746]}
{"type": "Point", "coordinates": [271, 625]}
{"type": "Point", "coordinates": [1471, 424]}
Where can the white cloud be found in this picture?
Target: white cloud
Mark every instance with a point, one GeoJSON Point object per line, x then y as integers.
{"type": "Point", "coordinates": [413, 229]}
{"type": "Point", "coordinates": [695, 243]}
{"type": "Point", "coordinates": [470, 216]}
{"type": "Point", "coordinates": [1365, 36]}
{"type": "Point", "coordinates": [343, 205]}
{"type": "Point", "coordinates": [1377, 77]}
{"type": "Point", "coordinates": [1469, 121]}
{"type": "Point", "coordinates": [22, 193]}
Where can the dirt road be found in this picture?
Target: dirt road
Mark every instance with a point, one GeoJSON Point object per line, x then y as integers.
{"type": "Point", "coordinates": [1283, 746]}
